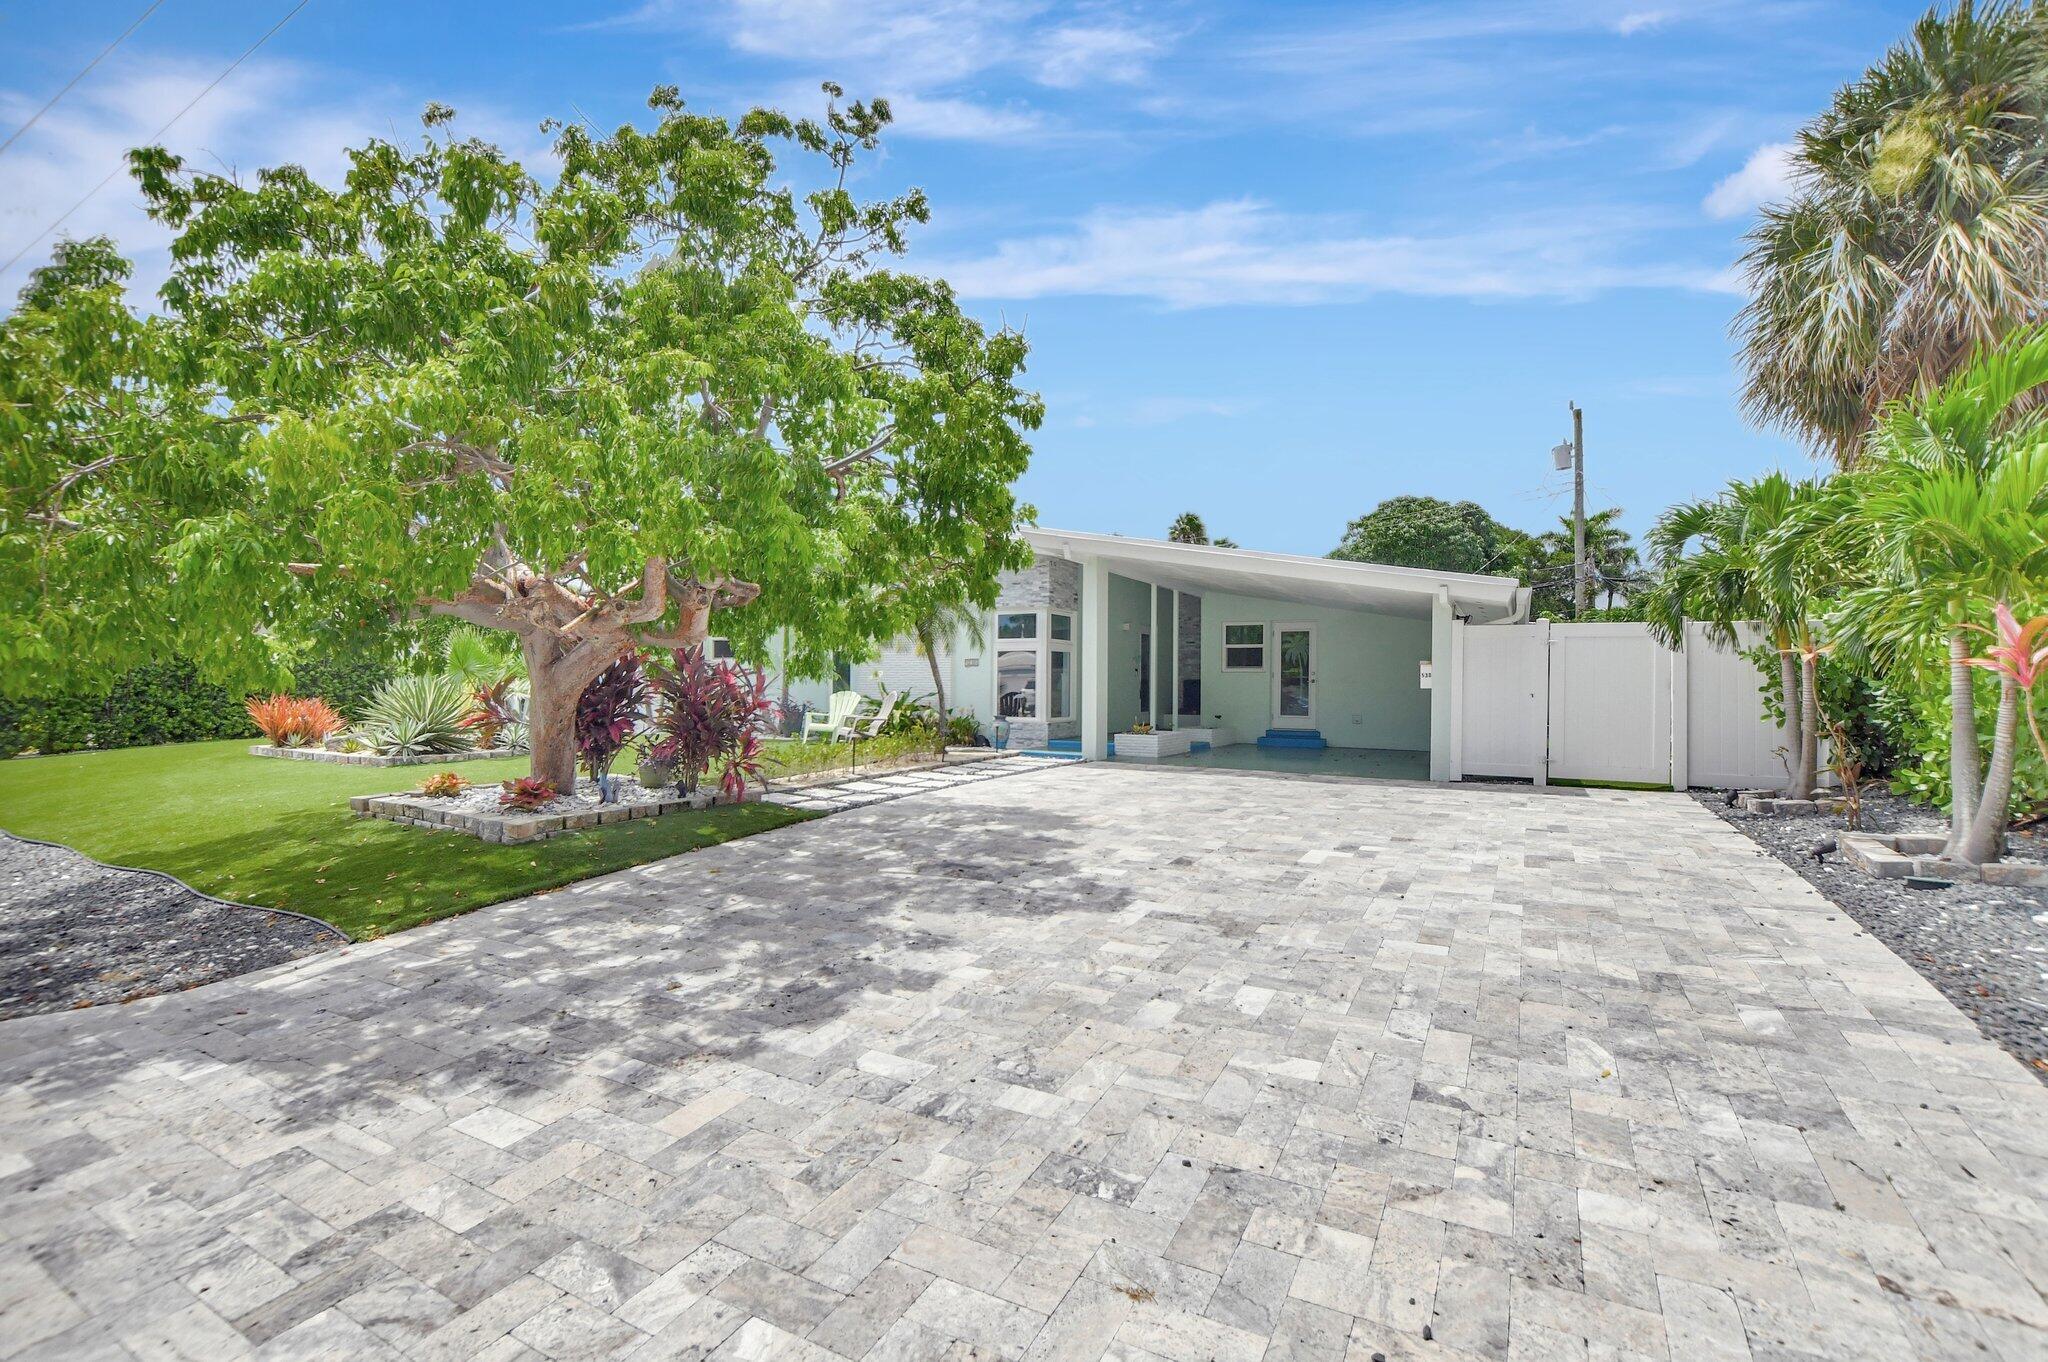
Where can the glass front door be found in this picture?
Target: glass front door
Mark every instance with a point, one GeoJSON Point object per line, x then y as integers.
{"type": "Point", "coordinates": [1294, 678]}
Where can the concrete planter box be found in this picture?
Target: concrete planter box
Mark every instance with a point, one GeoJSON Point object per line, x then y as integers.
{"type": "Point", "coordinates": [513, 825]}
{"type": "Point", "coordinates": [372, 759]}
{"type": "Point", "coordinates": [1153, 746]}
{"type": "Point", "coordinates": [1894, 856]}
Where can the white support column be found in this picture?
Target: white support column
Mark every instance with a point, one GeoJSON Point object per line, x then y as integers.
{"type": "Point", "coordinates": [1442, 760]}
{"type": "Point", "coordinates": [1152, 655]}
{"type": "Point", "coordinates": [1457, 688]}
{"type": "Point", "coordinates": [1173, 691]}
{"type": "Point", "coordinates": [1094, 659]}
{"type": "Point", "coordinates": [1680, 684]}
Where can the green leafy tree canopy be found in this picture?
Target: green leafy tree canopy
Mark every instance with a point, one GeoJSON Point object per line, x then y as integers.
{"type": "Point", "coordinates": [589, 411]}
{"type": "Point", "coordinates": [1426, 532]}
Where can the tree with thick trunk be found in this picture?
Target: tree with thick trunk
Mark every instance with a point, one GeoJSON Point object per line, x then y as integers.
{"type": "Point", "coordinates": [593, 412]}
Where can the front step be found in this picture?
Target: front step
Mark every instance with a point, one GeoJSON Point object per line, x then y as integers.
{"type": "Point", "coordinates": [1307, 739]}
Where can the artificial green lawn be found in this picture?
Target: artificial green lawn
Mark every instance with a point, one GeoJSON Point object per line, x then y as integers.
{"type": "Point", "coordinates": [280, 834]}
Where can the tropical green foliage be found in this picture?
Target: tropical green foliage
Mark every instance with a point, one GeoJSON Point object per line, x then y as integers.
{"type": "Point", "coordinates": [416, 715]}
{"type": "Point", "coordinates": [1425, 532]}
{"type": "Point", "coordinates": [1917, 233]}
{"type": "Point", "coordinates": [588, 412]}
{"type": "Point", "coordinates": [1898, 569]}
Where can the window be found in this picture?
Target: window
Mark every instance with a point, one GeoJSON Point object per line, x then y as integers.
{"type": "Point", "coordinates": [1034, 665]}
{"type": "Point", "coordinates": [718, 649]}
{"type": "Point", "coordinates": [842, 673]}
{"type": "Point", "coordinates": [1244, 647]}
{"type": "Point", "coordinates": [1017, 683]}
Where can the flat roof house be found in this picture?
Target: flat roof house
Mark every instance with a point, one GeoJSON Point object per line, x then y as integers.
{"type": "Point", "coordinates": [1246, 654]}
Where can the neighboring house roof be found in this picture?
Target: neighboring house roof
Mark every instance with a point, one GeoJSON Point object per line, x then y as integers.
{"type": "Point", "coordinates": [1287, 576]}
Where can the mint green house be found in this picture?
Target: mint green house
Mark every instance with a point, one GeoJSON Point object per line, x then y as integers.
{"type": "Point", "coordinates": [1228, 656]}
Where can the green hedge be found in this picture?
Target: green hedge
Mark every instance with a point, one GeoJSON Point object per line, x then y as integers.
{"type": "Point", "coordinates": [167, 702]}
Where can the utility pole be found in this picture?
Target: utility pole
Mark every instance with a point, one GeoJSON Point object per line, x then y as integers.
{"type": "Point", "coordinates": [1582, 586]}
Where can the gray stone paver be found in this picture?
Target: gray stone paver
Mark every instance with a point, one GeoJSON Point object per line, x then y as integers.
{"type": "Point", "coordinates": [1105, 1063]}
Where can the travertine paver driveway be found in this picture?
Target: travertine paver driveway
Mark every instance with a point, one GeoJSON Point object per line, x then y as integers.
{"type": "Point", "coordinates": [1091, 1062]}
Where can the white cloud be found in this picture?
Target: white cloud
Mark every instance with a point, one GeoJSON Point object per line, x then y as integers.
{"type": "Point", "coordinates": [1242, 251]}
{"type": "Point", "coordinates": [269, 112]}
{"type": "Point", "coordinates": [1766, 177]}
{"type": "Point", "coordinates": [1078, 53]}
{"type": "Point", "coordinates": [942, 118]}
{"type": "Point", "coordinates": [1641, 21]}
{"type": "Point", "coordinates": [924, 56]}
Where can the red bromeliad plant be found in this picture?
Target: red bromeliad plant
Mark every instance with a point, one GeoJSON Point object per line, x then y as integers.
{"type": "Point", "coordinates": [2020, 657]}
{"type": "Point", "coordinates": [527, 793]}
{"type": "Point", "coordinates": [710, 715]}
{"type": "Point", "coordinates": [606, 715]}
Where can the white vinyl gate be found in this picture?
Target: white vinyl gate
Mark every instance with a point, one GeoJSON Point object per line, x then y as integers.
{"type": "Point", "coordinates": [1607, 702]}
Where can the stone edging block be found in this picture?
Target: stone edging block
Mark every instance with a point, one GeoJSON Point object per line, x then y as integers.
{"type": "Point", "coordinates": [1893, 856]}
{"type": "Point", "coordinates": [423, 811]}
{"type": "Point", "coordinates": [372, 758]}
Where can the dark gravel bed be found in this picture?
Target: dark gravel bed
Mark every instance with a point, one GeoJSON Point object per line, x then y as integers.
{"type": "Point", "coordinates": [74, 932]}
{"type": "Point", "coordinates": [1984, 946]}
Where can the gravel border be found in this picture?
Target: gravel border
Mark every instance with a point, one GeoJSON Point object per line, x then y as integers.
{"type": "Point", "coordinates": [1984, 946]}
{"type": "Point", "coordinates": [75, 932]}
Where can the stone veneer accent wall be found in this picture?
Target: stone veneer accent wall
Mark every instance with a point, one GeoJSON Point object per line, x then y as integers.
{"type": "Point", "coordinates": [1048, 584]}
{"type": "Point", "coordinates": [1190, 668]}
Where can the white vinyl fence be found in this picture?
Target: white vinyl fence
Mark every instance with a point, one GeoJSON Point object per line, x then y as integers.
{"type": "Point", "coordinates": [1607, 702]}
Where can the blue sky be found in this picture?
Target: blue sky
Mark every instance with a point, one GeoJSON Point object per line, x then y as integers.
{"type": "Point", "coordinates": [1276, 262]}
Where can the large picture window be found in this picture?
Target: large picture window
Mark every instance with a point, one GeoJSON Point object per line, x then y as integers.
{"type": "Point", "coordinates": [1034, 665]}
{"type": "Point", "coordinates": [1244, 647]}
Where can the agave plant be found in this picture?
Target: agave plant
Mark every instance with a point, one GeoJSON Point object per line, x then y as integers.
{"type": "Point", "coordinates": [417, 715]}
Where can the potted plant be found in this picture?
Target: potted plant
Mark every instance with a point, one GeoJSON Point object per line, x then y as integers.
{"type": "Point", "coordinates": [657, 768]}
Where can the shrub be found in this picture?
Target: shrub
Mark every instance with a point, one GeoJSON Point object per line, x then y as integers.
{"type": "Point", "coordinates": [291, 722]}
{"type": "Point", "coordinates": [709, 714]}
{"type": "Point", "coordinates": [491, 712]}
{"type": "Point", "coordinates": [607, 713]}
{"type": "Point", "coordinates": [527, 793]}
{"type": "Point", "coordinates": [416, 715]}
{"type": "Point", "coordinates": [444, 784]}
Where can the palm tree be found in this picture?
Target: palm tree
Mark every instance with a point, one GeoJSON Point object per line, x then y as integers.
{"type": "Point", "coordinates": [931, 631]}
{"type": "Point", "coordinates": [1714, 566]}
{"type": "Point", "coordinates": [1187, 528]}
{"type": "Point", "coordinates": [1950, 510]}
{"type": "Point", "coordinates": [1918, 232]}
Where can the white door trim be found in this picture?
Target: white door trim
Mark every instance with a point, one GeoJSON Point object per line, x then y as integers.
{"type": "Point", "coordinates": [1296, 720]}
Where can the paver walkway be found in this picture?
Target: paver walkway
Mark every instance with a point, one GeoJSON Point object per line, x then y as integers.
{"type": "Point", "coordinates": [886, 785]}
{"type": "Point", "coordinates": [1100, 1063]}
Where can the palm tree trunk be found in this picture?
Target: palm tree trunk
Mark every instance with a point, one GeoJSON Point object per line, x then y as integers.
{"type": "Point", "coordinates": [1809, 724]}
{"type": "Point", "coordinates": [1963, 770]}
{"type": "Point", "coordinates": [1788, 691]}
{"type": "Point", "coordinates": [1986, 840]}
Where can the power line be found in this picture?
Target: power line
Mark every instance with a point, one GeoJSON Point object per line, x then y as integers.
{"type": "Point", "coordinates": [16, 134]}
{"type": "Point", "coordinates": [248, 52]}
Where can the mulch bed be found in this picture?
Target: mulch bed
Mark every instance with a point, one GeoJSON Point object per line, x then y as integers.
{"type": "Point", "coordinates": [74, 933]}
{"type": "Point", "coordinates": [1984, 946]}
